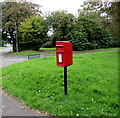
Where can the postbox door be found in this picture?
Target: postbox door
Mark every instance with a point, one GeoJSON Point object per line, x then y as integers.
{"type": "Point", "coordinates": [63, 53]}
{"type": "Point", "coordinates": [60, 59]}
{"type": "Point", "coordinates": [59, 53]}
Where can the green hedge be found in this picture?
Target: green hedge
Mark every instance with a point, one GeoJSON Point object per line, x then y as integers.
{"type": "Point", "coordinates": [30, 45]}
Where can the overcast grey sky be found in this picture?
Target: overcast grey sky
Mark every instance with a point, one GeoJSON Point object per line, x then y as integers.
{"type": "Point", "coordinates": [71, 6]}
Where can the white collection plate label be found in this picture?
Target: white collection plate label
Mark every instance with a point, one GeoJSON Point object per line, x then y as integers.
{"type": "Point", "coordinates": [60, 58]}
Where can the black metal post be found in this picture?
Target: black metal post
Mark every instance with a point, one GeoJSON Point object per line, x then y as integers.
{"type": "Point", "coordinates": [65, 80]}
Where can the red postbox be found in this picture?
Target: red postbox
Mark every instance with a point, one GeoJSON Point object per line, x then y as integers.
{"type": "Point", "coordinates": [64, 58]}
{"type": "Point", "coordinates": [64, 53]}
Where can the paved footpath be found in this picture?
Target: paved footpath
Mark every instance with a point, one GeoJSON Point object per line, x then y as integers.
{"type": "Point", "coordinates": [11, 106]}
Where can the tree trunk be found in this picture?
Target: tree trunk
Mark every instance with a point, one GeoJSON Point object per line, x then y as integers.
{"type": "Point", "coordinates": [16, 37]}
{"type": "Point", "coordinates": [14, 45]}
{"type": "Point", "coordinates": [13, 40]}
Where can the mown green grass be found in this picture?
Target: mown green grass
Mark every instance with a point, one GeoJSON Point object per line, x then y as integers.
{"type": "Point", "coordinates": [107, 48]}
{"type": "Point", "coordinates": [53, 52]}
{"type": "Point", "coordinates": [32, 52]}
{"type": "Point", "coordinates": [29, 52]}
{"type": "Point", "coordinates": [99, 49]}
{"type": "Point", "coordinates": [92, 85]}
{"type": "Point", "coordinates": [2, 47]}
{"type": "Point", "coordinates": [47, 48]}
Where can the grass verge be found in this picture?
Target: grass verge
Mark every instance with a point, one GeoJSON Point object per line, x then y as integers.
{"type": "Point", "coordinates": [102, 49]}
{"type": "Point", "coordinates": [47, 48]}
{"type": "Point", "coordinates": [29, 52]}
{"type": "Point", "coordinates": [92, 85]}
{"type": "Point", "coordinates": [53, 52]}
{"type": "Point", "coordinates": [2, 47]}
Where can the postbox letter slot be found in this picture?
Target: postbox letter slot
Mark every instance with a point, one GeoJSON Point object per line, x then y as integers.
{"type": "Point", "coordinates": [60, 51]}
{"type": "Point", "coordinates": [59, 46]}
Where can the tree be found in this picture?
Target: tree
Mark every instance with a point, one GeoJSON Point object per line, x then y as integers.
{"type": "Point", "coordinates": [33, 33]}
{"type": "Point", "coordinates": [110, 11]}
{"type": "Point", "coordinates": [61, 24]}
{"type": "Point", "coordinates": [12, 14]}
{"type": "Point", "coordinates": [89, 32]}
{"type": "Point", "coordinates": [85, 31]}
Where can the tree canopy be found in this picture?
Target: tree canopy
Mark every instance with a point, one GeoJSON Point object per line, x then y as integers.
{"type": "Point", "coordinates": [109, 10]}
{"type": "Point", "coordinates": [96, 25]}
{"type": "Point", "coordinates": [12, 14]}
{"type": "Point", "coordinates": [85, 31]}
{"type": "Point", "coordinates": [89, 32]}
{"type": "Point", "coordinates": [33, 33]}
{"type": "Point", "coordinates": [61, 24]}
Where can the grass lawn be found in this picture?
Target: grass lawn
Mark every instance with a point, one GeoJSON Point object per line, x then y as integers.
{"type": "Point", "coordinates": [2, 47]}
{"type": "Point", "coordinates": [53, 52]}
{"type": "Point", "coordinates": [92, 85]}
{"type": "Point", "coordinates": [47, 48]}
{"type": "Point", "coordinates": [32, 52]}
{"type": "Point", "coordinates": [29, 52]}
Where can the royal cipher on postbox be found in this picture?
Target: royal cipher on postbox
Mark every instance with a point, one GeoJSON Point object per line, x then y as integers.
{"type": "Point", "coordinates": [64, 53]}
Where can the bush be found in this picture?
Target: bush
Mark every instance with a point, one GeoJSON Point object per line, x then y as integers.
{"type": "Point", "coordinates": [78, 40]}
{"type": "Point", "coordinates": [88, 33]}
{"type": "Point", "coordinates": [115, 41]}
{"type": "Point", "coordinates": [30, 45]}
{"type": "Point", "coordinates": [82, 41]}
{"type": "Point", "coordinates": [33, 33]}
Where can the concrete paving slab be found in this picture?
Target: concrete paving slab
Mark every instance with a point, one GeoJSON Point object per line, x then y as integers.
{"type": "Point", "coordinates": [12, 107]}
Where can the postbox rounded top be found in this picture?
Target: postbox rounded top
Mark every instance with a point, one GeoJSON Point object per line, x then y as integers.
{"type": "Point", "coordinates": [62, 41]}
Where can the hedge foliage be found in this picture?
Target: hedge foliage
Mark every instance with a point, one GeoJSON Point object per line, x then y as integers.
{"type": "Point", "coordinates": [85, 32]}
{"type": "Point", "coordinates": [33, 33]}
